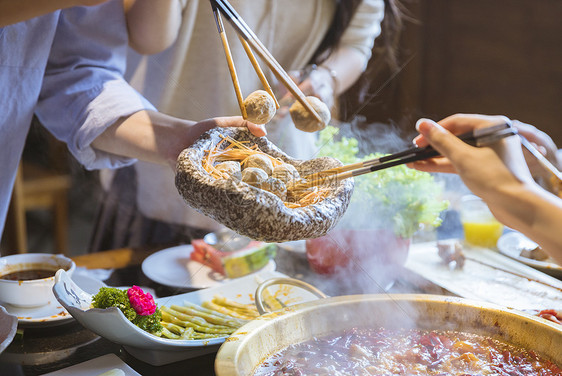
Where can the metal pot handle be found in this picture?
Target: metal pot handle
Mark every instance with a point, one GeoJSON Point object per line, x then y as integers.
{"type": "Point", "coordinates": [283, 281]}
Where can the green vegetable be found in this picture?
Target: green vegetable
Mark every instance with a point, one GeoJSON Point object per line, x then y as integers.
{"type": "Point", "coordinates": [245, 262]}
{"type": "Point", "coordinates": [113, 297]}
{"type": "Point", "coordinates": [399, 197]}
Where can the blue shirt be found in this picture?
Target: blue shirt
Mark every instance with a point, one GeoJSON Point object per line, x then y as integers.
{"type": "Point", "coordinates": [66, 67]}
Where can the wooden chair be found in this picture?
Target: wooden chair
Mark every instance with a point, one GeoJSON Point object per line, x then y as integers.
{"type": "Point", "coordinates": [38, 188]}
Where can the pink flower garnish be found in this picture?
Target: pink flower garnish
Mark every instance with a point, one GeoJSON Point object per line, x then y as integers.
{"type": "Point", "coordinates": [142, 303]}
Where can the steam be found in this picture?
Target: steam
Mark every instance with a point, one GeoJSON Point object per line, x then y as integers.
{"type": "Point", "coordinates": [365, 237]}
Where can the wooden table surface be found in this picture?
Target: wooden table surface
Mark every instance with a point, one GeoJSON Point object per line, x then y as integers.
{"type": "Point", "coordinates": [113, 259]}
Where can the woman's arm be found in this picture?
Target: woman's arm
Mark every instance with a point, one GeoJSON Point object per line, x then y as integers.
{"type": "Point", "coordinates": [12, 11]}
{"type": "Point", "coordinates": [498, 175]}
{"type": "Point", "coordinates": [102, 119]}
{"type": "Point", "coordinates": [349, 57]}
{"type": "Point", "coordinates": [158, 138]}
{"type": "Point", "coordinates": [334, 76]}
{"type": "Point", "coordinates": [343, 68]}
{"type": "Point", "coordinates": [153, 25]}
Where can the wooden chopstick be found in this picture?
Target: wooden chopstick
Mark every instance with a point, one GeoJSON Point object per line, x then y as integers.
{"type": "Point", "coordinates": [248, 35]}
{"type": "Point", "coordinates": [258, 69]}
{"type": "Point", "coordinates": [477, 137]}
{"type": "Point", "coordinates": [230, 62]}
{"type": "Point", "coordinates": [283, 77]}
{"type": "Point", "coordinates": [345, 172]}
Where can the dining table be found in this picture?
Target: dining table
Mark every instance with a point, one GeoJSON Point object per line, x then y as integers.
{"type": "Point", "coordinates": [41, 350]}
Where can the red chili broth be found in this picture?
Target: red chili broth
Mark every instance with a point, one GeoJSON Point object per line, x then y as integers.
{"type": "Point", "coordinates": [406, 352]}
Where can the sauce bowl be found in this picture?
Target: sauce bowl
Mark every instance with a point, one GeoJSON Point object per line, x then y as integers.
{"type": "Point", "coordinates": [31, 292]}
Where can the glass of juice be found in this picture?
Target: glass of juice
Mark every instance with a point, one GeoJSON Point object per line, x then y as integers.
{"type": "Point", "coordinates": [479, 225]}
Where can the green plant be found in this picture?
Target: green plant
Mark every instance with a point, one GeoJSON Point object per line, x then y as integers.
{"type": "Point", "coordinates": [398, 198]}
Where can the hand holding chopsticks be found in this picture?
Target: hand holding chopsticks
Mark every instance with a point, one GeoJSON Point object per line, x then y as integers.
{"type": "Point", "coordinates": [251, 42]}
{"type": "Point", "coordinates": [477, 137]}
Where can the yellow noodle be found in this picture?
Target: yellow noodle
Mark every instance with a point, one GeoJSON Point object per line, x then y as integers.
{"type": "Point", "coordinates": [239, 151]}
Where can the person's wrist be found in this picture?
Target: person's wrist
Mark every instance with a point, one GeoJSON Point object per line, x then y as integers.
{"type": "Point", "coordinates": [514, 204]}
{"type": "Point", "coordinates": [333, 76]}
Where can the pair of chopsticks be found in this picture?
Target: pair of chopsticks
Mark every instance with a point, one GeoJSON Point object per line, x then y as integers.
{"type": "Point", "coordinates": [251, 42]}
{"type": "Point", "coordinates": [478, 137]}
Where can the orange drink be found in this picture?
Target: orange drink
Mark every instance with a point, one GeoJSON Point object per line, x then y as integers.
{"type": "Point", "coordinates": [480, 227]}
{"type": "Point", "coordinates": [483, 234]}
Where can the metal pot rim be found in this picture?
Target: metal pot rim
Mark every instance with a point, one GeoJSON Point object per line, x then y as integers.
{"type": "Point", "coordinates": [234, 352]}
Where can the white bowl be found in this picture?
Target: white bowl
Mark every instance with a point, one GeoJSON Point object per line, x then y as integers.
{"type": "Point", "coordinates": [35, 292]}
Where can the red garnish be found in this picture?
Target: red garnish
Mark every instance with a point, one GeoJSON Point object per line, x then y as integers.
{"type": "Point", "coordinates": [142, 303]}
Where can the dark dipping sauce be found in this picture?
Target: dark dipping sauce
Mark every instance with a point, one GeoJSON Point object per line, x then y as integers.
{"type": "Point", "coordinates": [406, 352]}
{"type": "Point", "coordinates": [27, 275]}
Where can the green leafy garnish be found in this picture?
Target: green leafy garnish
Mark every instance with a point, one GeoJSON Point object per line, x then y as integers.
{"type": "Point", "coordinates": [114, 297]}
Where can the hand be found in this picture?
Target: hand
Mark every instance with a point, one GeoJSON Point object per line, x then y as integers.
{"type": "Point", "coordinates": [194, 131]}
{"type": "Point", "coordinates": [498, 174]}
{"type": "Point", "coordinates": [320, 84]}
{"type": "Point", "coordinates": [486, 171]}
{"type": "Point", "coordinates": [201, 127]}
{"type": "Point", "coordinates": [315, 82]}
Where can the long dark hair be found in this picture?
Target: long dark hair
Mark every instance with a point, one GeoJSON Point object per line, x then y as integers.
{"type": "Point", "coordinates": [345, 9]}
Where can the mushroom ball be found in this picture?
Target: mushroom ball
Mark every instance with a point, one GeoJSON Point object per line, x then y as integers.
{"type": "Point", "coordinates": [286, 172]}
{"type": "Point", "coordinates": [259, 161]}
{"type": "Point", "coordinates": [260, 107]}
{"type": "Point", "coordinates": [304, 120]}
{"type": "Point", "coordinates": [254, 176]}
{"type": "Point", "coordinates": [275, 186]}
{"type": "Point", "coordinates": [232, 168]}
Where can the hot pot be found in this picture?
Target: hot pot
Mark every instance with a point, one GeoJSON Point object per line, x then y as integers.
{"type": "Point", "coordinates": [254, 342]}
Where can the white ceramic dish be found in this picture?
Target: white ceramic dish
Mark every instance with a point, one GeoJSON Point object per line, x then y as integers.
{"type": "Point", "coordinates": [111, 323]}
{"type": "Point", "coordinates": [511, 245]}
{"type": "Point", "coordinates": [172, 267]}
{"type": "Point", "coordinates": [8, 327]}
{"type": "Point", "coordinates": [34, 292]}
{"type": "Point", "coordinates": [52, 313]}
{"type": "Point", "coordinates": [96, 366]}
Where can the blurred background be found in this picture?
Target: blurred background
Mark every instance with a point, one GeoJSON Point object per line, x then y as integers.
{"type": "Point", "coordinates": [490, 57]}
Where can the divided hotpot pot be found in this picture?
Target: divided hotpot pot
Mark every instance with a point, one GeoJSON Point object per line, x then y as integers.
{"type": "Point", "coordinates": [254, 342]}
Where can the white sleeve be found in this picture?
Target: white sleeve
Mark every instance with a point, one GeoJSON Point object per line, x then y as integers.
{"type": "Point", "coordinates": [83, 90]}
{"type": "Point", "coordinates": [364, 27]}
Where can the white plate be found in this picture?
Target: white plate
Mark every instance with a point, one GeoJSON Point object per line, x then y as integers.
{"type": "Point", "coordinates": [173, 267]}
{"type": "Point", "coordinates": [53, 313]}
{"type": "Point", "coordinates": [8, 327]}
{"type": "Point", "coordinates": [111, 324]}
{"type": "Point", "coordinates": [511, 245]}
{"type": "Point", "coordinates": [488, 276]}
{"type": "Point", "coordinates": [96, 366]}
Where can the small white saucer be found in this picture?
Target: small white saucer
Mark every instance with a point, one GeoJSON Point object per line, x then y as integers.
{"type": "Point", "coordinates": [52, 313]}
{"type": "Point", "coordinates": [511, 245]}
{"type": "Point", "coordinates": [94, 367]}
{"type": "Point", "coordinates": [172, 267]}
